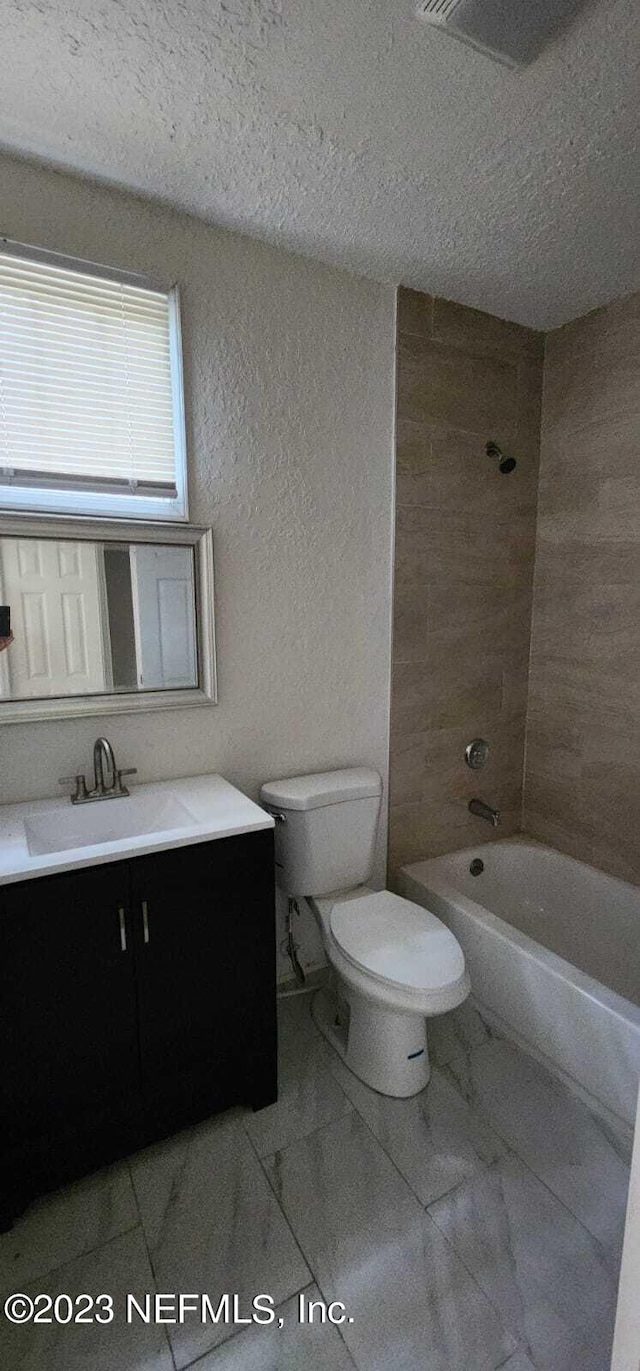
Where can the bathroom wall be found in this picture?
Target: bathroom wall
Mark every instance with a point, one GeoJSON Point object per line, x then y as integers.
{"type": "Point", "coordinates": [463, 570]}
{"type": "Point", "coordinates": [290, 394]}
{"type": "Point", "coordinates": [582, 789]}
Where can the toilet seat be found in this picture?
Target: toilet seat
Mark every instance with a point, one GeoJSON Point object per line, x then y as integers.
{"type": "Point", "coordinates": [393, 964]}
{"type": "Point", "coordinates": [397, 942]}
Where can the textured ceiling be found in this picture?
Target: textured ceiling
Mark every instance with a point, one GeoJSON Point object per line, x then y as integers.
{"type": "Point", "coordinates": [347, 130]}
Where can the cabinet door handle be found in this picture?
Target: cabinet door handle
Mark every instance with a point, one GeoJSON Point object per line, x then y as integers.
{"type": "Point", "coordinates": [123, 930]}
{"type": "Point", "coordinates": [145, 921]}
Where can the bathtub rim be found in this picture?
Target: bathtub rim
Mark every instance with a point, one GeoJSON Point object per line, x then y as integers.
{"type": "Point", "coordinates": [558, 966]}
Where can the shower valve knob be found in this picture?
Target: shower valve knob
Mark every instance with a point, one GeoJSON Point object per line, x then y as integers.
{"type": "Point", "coordinates": [476, 753]}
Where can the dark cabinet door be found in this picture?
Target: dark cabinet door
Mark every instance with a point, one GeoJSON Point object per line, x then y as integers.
{"type": "Point", "coordinates": [203, 919]}
{"type": "Point", "coordinates": [69, 1067]}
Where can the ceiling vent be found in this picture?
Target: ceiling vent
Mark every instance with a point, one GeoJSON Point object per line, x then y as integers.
{"type": "Point", "coordinates": [511, 31]}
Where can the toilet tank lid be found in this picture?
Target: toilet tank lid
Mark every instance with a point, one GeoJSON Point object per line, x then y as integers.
{"type": "Point", "coordinates": [323, 788]}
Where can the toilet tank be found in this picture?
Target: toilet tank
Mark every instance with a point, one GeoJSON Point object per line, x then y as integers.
{"type": "Point", "coordinates": [326, 839]}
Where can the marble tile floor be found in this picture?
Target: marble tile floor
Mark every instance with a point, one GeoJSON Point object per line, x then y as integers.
{"type": "Point", "coordinates": [475, 1227]}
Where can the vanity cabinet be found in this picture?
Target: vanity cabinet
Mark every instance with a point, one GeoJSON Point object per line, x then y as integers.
{"type": "Point", "coordinates": [204, 945]}
{"type": "Point", "coordinates": [136, 997]}
{"type": "Point", "coordinates": [69, 1070]}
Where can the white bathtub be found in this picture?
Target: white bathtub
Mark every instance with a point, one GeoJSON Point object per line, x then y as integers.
{"type": "Point", "coordinates": [553, 950]}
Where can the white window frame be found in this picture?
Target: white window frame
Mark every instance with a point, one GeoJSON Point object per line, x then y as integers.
{"type": "Point", "coordinates": [30, 499]}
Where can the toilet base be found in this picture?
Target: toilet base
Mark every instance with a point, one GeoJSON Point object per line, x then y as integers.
{"type": "Point", "coordinates": [385, 1048]}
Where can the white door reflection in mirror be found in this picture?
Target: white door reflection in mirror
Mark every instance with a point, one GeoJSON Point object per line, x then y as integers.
{"type": "Point", "coordinates": [56, 595]}
{"type": "Point", "coordinates": [163, 616]}
{"type": "Point", "coordinates": [96, 618]}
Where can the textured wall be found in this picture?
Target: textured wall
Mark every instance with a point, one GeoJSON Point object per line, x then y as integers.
{"type": "Point", "coordinates": [463, 568]}
{"type": "Point", "coordinates": [582, 790]}
{"type": "Point", "coordinates": [289, 388]}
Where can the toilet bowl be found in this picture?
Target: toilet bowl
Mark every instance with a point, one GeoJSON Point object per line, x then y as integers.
{"type": "Point", "coordinates": [395, 963]}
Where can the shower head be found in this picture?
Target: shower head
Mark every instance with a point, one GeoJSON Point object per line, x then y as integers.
{"type": "Point", "coordinates": [505, 464]}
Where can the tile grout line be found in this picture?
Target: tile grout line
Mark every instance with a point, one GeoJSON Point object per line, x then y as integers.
{"type": "Point", "coordinates": [514, 1151]}
{"type": "Point", "coordinates": [80, 1256]}
{"type": "Point", "coordinates": [261, 1161]}
{"type": "Point", "coordinates": [315, 1278]}
{"type": "Point", "coordinates": [302, 1137]}
{"type": "Point", "coordinates": [148, 1251]}
{"type": "Point", "coordinates": [479, 433]}
{"type": "Point", "coordinates": [424, 1211]}
{"type": "Point", "coordinates": [232, 1332]}
{"type": "Point", "coordinates": [276, 1197]}
{"type": "Point", "coordinates": [522, 1348]}
{"type": "Point", "coordinates": [602, 1249]}
{"type": "Point", "coordinates": [474, 1281]}
{"type": "Point", "coordinates": [483, 1166]}
{"type": "Point", "coordinates": [472, 1275]}
{"type": "Point", "coordinates": [238, 1332]}
{"type": "Point", "coordinates": [327, 1053]}
{"type": "Point", "coordinates": [353, 1108]}
{"type": "Point", "coordinates": [86, 1252]}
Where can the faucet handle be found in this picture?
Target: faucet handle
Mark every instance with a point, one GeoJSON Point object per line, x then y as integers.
{"type": "Point", "coordinates": [80, 792]}
{"type": "Point", "coordinates": [124, 771]}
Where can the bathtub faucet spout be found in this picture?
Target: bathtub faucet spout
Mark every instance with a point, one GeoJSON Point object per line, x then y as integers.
{"type": "Point", "coordinates": [484, 811]}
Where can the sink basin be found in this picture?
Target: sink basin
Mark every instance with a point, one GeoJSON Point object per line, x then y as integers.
{"type": "Point", "coordinates": [58, 830]}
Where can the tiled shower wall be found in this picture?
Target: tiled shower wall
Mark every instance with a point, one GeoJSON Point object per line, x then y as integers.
{"type": "Point", "coordinates": [465, 539]}
{"type": "Point", "coordinates": [582, 791]}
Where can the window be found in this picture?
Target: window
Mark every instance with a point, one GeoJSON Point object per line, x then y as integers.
{"type": "Point", "coordinates": [91, 406]}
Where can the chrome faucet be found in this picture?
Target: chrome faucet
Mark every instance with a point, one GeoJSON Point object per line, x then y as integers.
{"type": "Point", "coordinates": [484, 811]}
{"type": "Point", "coordinates": [103, 752]}
{"type": "Point", "coordinates": [110, 789]}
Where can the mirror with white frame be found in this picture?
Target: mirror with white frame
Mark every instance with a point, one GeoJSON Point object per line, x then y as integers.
{"type": "Point", "coordinates": [106, 617]}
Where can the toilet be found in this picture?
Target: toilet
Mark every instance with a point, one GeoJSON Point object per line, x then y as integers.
{"type": "Point", "coordinates": [396, 963]}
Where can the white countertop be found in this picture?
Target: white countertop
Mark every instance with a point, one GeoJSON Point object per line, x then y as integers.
{"type": "Point", "coordinates": [218, 810]}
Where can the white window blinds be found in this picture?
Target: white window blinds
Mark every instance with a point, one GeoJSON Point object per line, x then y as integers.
{"type": "Point", "coordinates": [87, 384]}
